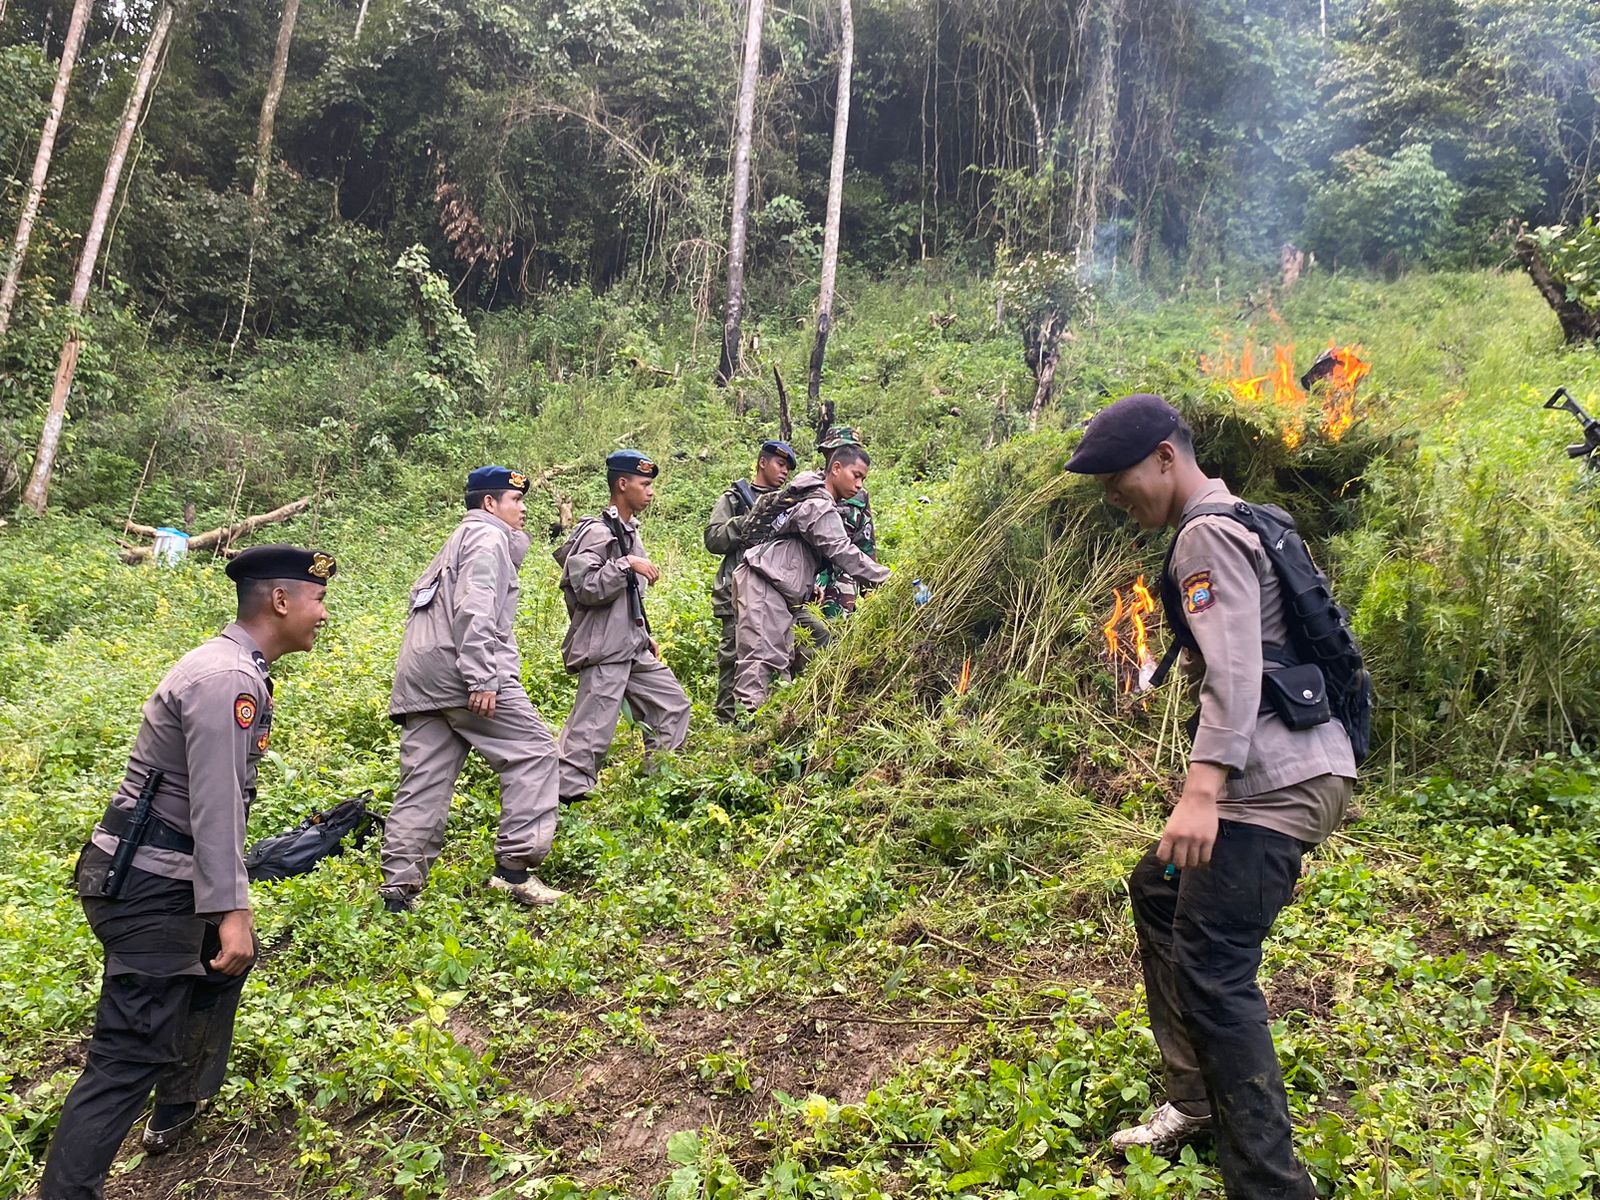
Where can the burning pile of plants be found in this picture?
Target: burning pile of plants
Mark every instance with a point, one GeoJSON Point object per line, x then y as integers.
{"type": "Point", "coordinates": [1043, 623]}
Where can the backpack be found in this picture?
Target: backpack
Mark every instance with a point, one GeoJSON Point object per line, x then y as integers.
{"type": "Point", "coordinates": [319, 836]}
{"type": "Point", "coordinates": [1319, 630]}
{"type": "Point", "coordinates": [772, 511]}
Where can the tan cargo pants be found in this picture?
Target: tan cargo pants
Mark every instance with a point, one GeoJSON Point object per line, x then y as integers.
{"type": "Point", "coordinates": [433, 749]}
{"type": "Point", "coordinates": [655, 697]}
{"type": "Point", "coordinates": [765, 632]}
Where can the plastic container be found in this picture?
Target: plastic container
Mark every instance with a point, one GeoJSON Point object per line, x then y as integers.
{"type": "Point", "coordinates": [921, 593]}
{"type": "Point", "coordinates": [172, 546]}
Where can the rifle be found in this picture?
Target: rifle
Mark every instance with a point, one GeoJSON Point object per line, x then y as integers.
{"type": "Point", "coordinates": [619, 531]}
{"type": "Point", "coordinates": [138, 822]}
{"type": "Point", "coordinates": [1589, 448]}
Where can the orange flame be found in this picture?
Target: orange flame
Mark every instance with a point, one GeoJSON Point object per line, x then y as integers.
{"type": "Point", "coordinates": [1248, 387]}
{"type": "Point", "coordinates": [1285, 390]}
{"type": "Point", "coordinates": [1131, 667]}
{"type": "Point", "coordinates": [1336, 389]}
{"type": "Point", "coordinates": [1339, 406]}
{"type": "Point", "coordinates": [966, 676]}
{"type": "Point", "coordinates": [1113, 642]}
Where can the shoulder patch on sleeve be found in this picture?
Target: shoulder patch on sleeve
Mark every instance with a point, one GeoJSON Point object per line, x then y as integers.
{"type": "Point", "coordinates": [244, 710]}
{"type": "Point", "coordinates": [1197, 592]}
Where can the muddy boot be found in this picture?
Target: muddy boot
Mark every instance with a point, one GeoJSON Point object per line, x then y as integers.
{"type": "Point", "coordinates": [523, 886]}
{"type": "Point", "coordinates": [1164, 1132]}
{"type": "Point", "coordinates": [167, 1125]}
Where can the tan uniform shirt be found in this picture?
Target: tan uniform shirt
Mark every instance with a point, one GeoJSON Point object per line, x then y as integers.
{"type": "Point", "coordinates": [814, 534]}
{"type": "Point", "coordinates": [594, 583]}
{"type": "Point", "coordinates": [461, 633]}
{"type": "Point", "coordinates": [724, 536]}
{"type": "Point", "coordinates": [1233, 607]}
{"type": "Point", "coordinates": [206, 727]}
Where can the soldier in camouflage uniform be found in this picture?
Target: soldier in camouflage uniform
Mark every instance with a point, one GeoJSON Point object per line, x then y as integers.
{"type": "Point", "coordinates": [838, 593]}
{"type": "Point", "coordinates": [725, 536]}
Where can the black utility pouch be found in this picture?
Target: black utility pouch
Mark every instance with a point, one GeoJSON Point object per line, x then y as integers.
{"type": "Point", "coordinates": [1298, 694]}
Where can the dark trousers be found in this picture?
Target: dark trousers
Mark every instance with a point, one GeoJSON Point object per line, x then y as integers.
{"type": "Point", "coordinates": [170, 1033]}
{"type": "Point", "coordinates": [727, 667]}
{"type": "Point", "coordinates": [1200, 938]}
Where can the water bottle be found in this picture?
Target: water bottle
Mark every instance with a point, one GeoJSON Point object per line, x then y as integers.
{"type": "Point", "coordinates": [921, 593]}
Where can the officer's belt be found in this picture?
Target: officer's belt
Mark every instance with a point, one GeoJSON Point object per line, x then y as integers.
{"type": "Point", "coordinates": [158, 835]}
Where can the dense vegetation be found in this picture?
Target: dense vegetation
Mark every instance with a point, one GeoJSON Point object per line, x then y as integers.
{"type": "Point", "coordinates": [876, 945]}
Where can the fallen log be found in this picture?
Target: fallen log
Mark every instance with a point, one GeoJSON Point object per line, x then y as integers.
{"type": "Point", "coordinates": [223, 535]}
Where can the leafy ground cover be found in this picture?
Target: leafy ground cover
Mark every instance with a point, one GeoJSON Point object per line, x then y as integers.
{"type": "Point", "coordinates": [877, 945]}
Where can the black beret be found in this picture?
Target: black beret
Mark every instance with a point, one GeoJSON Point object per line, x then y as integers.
{"type": "Point", "coordinates": [282, 562]}
{"type": "Point", "coordinates": [496, 479]}
{"type": "Point", "coordinates": [1124, 433]}
{"type": "Point", "coordinates": [631, 462]}
{"type": "Point", "coordinates": [782, 450]}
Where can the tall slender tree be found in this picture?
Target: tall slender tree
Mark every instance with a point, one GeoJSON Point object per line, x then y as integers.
{"type": "Point", "coordinates": [830, 229]}
{"type": "Point", "coordinates": [41, 161]}
{"type": "Point", "coordinates": [37, 493]}
{"type": "Point", "coordinates": [744, 124]}
{"type": "Point", "coordinates": [258, 188]}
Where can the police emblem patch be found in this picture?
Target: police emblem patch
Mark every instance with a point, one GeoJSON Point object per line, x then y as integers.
{"type": "Point", "coordinates": [244, 710]}
{"type": "Point", "coordinates": [262, 742]}
{"type": "Point", "coordinates": [518, 479]}
{"type": "Point", "coordinates": [1197, 593]}
{"type": "Point", "coordinates": [321, 565]}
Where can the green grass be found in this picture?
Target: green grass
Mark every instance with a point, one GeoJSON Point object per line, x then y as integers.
{"type": "Point", "coordinates": [877, 946]}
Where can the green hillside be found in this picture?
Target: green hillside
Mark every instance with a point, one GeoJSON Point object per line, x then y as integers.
{"type": "Point", "coordinates": [878, 944]}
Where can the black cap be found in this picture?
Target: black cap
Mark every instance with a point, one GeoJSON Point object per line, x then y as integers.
{"type": "Point", "coordinates": [282, 562]}
{"type": "Point", "coordinates": [1124, 433]}
{"type": "Point", "coordinates": [631, 462]}
{"type": "Point", "coordinates": [496, 479]}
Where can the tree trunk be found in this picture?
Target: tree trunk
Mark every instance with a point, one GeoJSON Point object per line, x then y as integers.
{"type": "Point", "coordinates": [258, 188]}
{"type": "Point", "coordinates": [361, 19]}
{"type": "Point", "coordinates": [744, 122]}
{"type": "Point", "coordinates": [37, 493]}
{"type": "Point", "coordinates": [830, 229]}
{"type": "Point", "coordinates": [1044, 364]}
{"type": "Point", "coordinates": [41, 160]}
{"type": "Point", "coordinates": [1578, 324]}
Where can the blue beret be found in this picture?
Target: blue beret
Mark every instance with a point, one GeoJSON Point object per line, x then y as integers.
{"type": "Point", "coordinates": [1124, 433]}
{"type": "Point", "coordinates": [282, 562]}
{"type": "Point", "coordinates": [631, 462]}
{"type": "Point", "coordinates": [496, 479]}
{"type": "Point", "coordinates": [780, 448]}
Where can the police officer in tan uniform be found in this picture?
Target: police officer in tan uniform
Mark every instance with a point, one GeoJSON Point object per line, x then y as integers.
{"type": "Point", "coordinates": [162, 878]}
{"type": "Point", "coordinates": [458, 687]}
{"type": "Point", "coordinates": [604, 576]}
{"type": "Point", "coordinates": [1257, 795]}
{"type": "Point", "coordinates": [725, 537]}
{"type": "Point", "coordinates": [779, 577]}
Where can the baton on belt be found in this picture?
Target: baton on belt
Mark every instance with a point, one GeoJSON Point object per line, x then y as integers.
{"type": "Point", "coordinates": [138, 822]}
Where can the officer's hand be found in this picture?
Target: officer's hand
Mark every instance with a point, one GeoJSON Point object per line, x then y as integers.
{"type": "Point", "coordinates": [655, 647]}
{"type": "Point", "coordinates": [482, 703]}
{"type": "Point", "coordinates": [1191, 831]}
{"type": "Point", "coordinates": [644, 567]}
{"type": "Point", "coordinates": [237, 934]}
{"type": "Point", "coordinates": [1190, 834]}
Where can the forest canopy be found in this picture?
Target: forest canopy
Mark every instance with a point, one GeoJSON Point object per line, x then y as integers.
{"type": "Point", "coordinates": [587, 142]}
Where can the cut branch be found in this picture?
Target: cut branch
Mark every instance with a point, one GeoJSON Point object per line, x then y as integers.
{"type": "Point", "coordinates": [223, 535]}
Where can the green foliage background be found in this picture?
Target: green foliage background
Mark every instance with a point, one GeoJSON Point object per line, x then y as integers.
{"type": "Point", "coordinates": [881, 854]}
